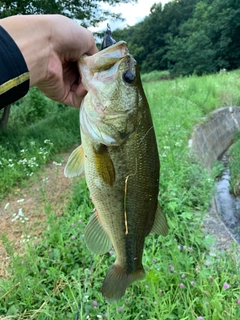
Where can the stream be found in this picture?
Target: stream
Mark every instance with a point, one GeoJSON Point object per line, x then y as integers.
{"type": "Point", "coordinates": [228, 206]}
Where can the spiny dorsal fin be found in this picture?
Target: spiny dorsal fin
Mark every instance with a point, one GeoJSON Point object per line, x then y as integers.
{"type": "Point", "coordinates": [160, 225]}
{"type": "Point", "coordinates": [75, 164]}
{"type": "Point", "coordinates": [104, 165]}
{"type": "Point", "coordinates": [95, 237]}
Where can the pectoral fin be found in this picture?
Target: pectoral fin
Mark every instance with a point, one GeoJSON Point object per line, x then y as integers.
{"type": "Point", "coordinates": [104, 165]}
{"type": "Point", "coordinates": [75, 164]}
{"type": "Point", "coordinates": [95, 237]}
{"type": "Point", "coordinates": [160, 225]}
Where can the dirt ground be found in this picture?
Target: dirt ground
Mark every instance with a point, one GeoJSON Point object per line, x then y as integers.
{"type": "Point", "coordinates": [48, 187]}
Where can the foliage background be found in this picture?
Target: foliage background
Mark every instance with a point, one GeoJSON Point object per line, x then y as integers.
{"type": "Point", "coordinates": [186, 37]}
{"type": "Point", "coordinates": [88, 12]}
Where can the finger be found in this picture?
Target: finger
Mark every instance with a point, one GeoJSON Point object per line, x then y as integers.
{"type": "Point", "coordinates": [75, 96]}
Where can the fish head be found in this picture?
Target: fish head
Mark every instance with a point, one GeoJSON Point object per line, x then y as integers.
{"type": "Point", "coordinates": [110, 111]}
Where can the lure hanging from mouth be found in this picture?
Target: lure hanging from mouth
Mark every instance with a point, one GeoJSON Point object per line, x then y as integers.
{"type": "Point", "coordinates": [108, 40]}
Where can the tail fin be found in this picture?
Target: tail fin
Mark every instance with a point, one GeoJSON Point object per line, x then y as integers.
{"type": "Point", "coordinates": [117, 281]}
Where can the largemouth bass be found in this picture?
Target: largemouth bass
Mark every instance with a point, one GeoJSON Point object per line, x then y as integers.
{"type": "Point", "coordinates": [119, 156]}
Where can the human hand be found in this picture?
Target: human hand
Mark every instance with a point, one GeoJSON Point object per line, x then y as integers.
{"type": "Point", "coordinates": [51, 46]}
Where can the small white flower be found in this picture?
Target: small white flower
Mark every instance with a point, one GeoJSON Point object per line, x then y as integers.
{"type": "Point", "coordinates": [15, 218]}
{"type": "Point", "coordinates": [6, 206]}
{"type": "Point", "coordinates": [20, 200]}
{"type": "Point", "coordinates": [20, 213]}
{"type": "Point", "coordinates": [57, 163]}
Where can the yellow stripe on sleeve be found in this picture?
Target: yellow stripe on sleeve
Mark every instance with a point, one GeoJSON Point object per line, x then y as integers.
{"type": "Point", "coordinates": [14, 82]}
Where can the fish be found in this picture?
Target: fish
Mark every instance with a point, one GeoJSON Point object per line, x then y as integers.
{"type": "Point", "coordinates": [120, 161]}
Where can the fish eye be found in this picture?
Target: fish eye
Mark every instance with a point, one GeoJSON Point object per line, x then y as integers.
{"type": "Point", "coordinates": [129, 76]}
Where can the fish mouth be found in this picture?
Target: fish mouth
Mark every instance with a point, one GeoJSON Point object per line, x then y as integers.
{"type": "Point", "coordinates": [104, 59]}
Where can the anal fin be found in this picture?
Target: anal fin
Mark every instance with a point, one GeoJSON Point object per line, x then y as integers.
{"type": "Point", "coordinates": [160, 225]}
{"type": "Point", "coordinates": [96, 238]}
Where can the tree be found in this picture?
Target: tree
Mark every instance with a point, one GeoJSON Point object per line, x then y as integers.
{"type": "Point", "coordinates": [147, 40]}
{"type": "Point", "coordinates": [192, 50]}
{"type": "Point", "coordinates": [187, 36]}
{"type": "Point", "coordinates": [5, 116]}
{"type": "Point", "coordinates": [88, 12]}
{"type": "Point", "coordinates": [208, 41]}
{"type": "Point", "coordinates": [225, 16]}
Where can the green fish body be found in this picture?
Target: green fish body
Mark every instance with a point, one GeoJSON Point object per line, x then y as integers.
{"type": "Point", "coordinates": [119, 156]}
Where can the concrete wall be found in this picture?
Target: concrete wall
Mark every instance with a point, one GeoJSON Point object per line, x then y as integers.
{"type": "Point", "coordinates": [211, 138]}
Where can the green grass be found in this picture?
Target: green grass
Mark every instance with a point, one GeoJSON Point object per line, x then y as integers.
{"type": "Point", "coordinates": [56, 277]}
{"type": "Point", "coordinates": [24, 149]}
{"type": "Point", "coordinates": [156, 76]}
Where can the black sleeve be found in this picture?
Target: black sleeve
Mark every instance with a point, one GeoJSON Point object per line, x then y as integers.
{"type": "Point", "coordinates": [14, 74]}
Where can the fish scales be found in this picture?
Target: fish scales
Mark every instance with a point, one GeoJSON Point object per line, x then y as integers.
{"type": "Point", "coordinates": [141, 196]}
{"type": "Point", "coordinates": [121, 164]}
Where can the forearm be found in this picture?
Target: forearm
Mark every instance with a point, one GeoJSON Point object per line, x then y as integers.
{"type": "Point", "coordinates": [14, 73]}
{"type": "Point", "coordinates": [31, 35]}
